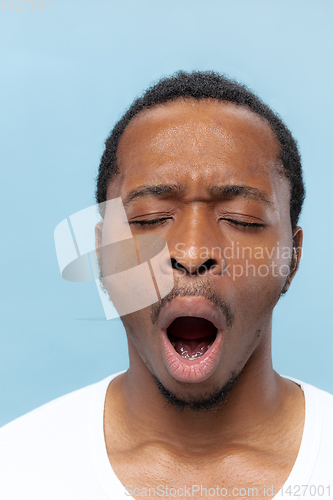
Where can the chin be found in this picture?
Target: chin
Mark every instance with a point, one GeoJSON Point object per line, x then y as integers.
{"type": "Point", "coordinates": [205, 401]}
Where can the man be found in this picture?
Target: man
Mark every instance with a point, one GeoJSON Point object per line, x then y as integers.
{"type": "Point", "coordinates": [201, 162]}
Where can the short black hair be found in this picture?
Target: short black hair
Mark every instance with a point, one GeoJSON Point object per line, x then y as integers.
{"type": "Point", "coordinates": [206, 85]}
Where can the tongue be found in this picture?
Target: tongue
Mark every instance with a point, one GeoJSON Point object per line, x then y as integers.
{"type": "Point", "coordinates": [191, 349]}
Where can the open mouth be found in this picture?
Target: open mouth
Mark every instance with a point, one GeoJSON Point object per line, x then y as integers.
{"type": "Point", "coordinates": [191, 337]}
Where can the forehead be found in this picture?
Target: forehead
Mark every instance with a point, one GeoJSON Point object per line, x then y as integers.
{"type": "Point", "coordinates": [206, 114]}
{"type": "Point", "coordinates": [197, 142]}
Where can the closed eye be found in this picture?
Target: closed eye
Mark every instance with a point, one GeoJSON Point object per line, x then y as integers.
{"type": "Point", "coordinates": [150, 222]}
{"type": "Point", "coordinates": [249, 225]}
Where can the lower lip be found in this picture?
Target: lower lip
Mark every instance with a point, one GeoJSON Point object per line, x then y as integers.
{"type": "Point", "coordinates": [194, 371]}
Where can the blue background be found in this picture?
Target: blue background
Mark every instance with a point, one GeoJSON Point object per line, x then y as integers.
{"type": "Point", "coordinates": [66, 77]}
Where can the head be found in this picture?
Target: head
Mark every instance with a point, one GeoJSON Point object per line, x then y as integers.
{"type": "Point", "coordinates": [202, 162]}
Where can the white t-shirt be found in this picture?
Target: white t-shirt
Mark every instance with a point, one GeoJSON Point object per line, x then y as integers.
{"type": "Point", "coordinates": [57, 452]}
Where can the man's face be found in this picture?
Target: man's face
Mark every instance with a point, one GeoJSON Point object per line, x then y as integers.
{"type": "Point", "coordinates": [223, 207]}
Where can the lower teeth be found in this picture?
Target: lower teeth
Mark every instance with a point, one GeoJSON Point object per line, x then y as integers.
{"type": "Point", "coordinates": [197, 355]}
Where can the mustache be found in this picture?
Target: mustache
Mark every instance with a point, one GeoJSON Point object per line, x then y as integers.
{"type": "Point", "coordinates": [200, 288]}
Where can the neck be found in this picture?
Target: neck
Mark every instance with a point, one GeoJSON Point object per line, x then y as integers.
{"type": "Point", "coordinates": [259, 396]}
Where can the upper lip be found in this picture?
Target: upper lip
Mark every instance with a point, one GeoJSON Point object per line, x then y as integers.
{"type": "Point", "coordinates": [194, 306]}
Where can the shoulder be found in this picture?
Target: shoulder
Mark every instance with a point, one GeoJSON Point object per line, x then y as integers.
{"type": "Point", "coordinates": [314, 394]}
{"type": "Point", "coordinates": [64, 408]}
{"type": "Point", "coordinates": [316, 453]}
{"type": "Point", "coordinates": [50, 442]}
{"type": "Point", "coordinates": [315, 397]}
{"type": "Point", "coordinates": [323, 403]}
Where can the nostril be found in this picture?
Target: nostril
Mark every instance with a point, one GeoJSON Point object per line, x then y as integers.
{"type": "Point", "coordinates": [176, 265]}
{"type": "Point", "coordinates": [207, 266]}
{"type": "Point", "coordinates": [200, 270]}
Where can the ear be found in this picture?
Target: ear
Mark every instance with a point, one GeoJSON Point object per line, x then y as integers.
{"type": "Point", "coordinates": [297, 248]}
{"type": "Point", "coordinates": [296, 257]}
{"type": "Point", "coordinates": [98, 241]}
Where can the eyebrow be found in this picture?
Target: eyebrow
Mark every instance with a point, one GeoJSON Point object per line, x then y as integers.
{"type": "Point", "coordinates": [220, 191]}
{"type": "Point", "coordinates": [147, 190]}
{"type": "Point", "coordinates": [243, 191]}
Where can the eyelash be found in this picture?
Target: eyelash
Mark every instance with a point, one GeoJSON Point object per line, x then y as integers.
{"type": "Point", "coordinates": [153, 222]}
{"type": "Point", "coordinates": [244, 224]}
{"type": "Point", "coordinates": [148, 222]}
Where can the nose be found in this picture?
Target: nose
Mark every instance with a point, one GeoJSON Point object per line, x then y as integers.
{"type": "Point", "coordinates": [195, 247]}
